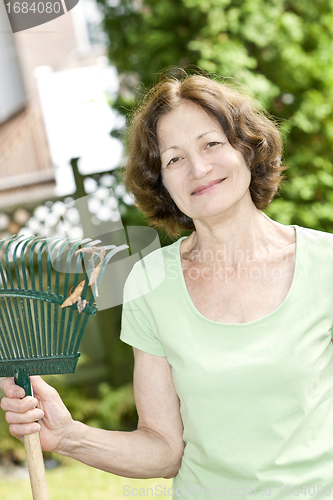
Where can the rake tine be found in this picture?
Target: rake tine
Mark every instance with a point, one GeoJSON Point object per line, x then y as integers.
{"type": "Point", "coordinates": [106, 260]}
{"type": "Point", "coordinates": [40, 266]}
{"type": "Point", "coordinates": [32, 349]}
{"type": "Point", "coordinates": [69, 262]}
{"type": "Point", "coordinates": [60, 251]}
{"type": "Point", "coordinates": [80, 333]}
{"type": "Point", "coordinates": [25, 336]}
{"type": "Point", "coordinates": [89, 270]}
{"type": "Point", "coordinates": [60, 335]}
{"type": "Point", "coordinates": [24, 268]}
{"type": "Point", "coordinates": [18, 241]}
{"type": "Point", "coordinates": [8, 346]}
{"type": "Point", "coordinates": [114, 250]}
{"type": "Point", "coordinates": [5, 341]}
{"type": "Point", "coordinates": [2, 242]}
{"type": "Point", "coordinates": [44, 338]}
{"type": "Point", "coordinates": [94, 243]}
{"type": "Point", "coordinates": [14, 324]}
{"type": "Point", "coordinates": [3, 350]}
{"type": "Point", "coordinates": [53, 244]}
{"type": "Point", "coordinates": [90, 244]}
{"type": "Point", "coordinates": [64, 312]}
{"type": "Point", "coordinates": [17, 272]}
{"type": "Point", "coordinates": [37, 332]}
{"type": "Point", "coordinates": [75, 342]}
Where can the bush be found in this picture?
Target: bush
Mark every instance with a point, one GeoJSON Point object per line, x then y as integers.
{"type": "Point", "coordinates": [111, 409]}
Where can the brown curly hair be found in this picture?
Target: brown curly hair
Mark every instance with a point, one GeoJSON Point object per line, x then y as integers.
{"type": "Point", "coordinates": [247, 129]}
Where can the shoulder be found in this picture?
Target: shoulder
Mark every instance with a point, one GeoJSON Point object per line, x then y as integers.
{"type": "Point", "coordinates": [315, 237]}
{"type": "Point", "coordinates": [150, 271]}
{"type": "Point", "coordinates": [316, 248]}
{"type": "Point", "coordinates": [157, 260]}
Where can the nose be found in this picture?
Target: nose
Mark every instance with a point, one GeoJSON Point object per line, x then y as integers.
{"type": "Point", "coordinates": [198, 166]}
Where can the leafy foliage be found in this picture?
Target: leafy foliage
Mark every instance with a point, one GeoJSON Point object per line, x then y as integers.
{"type": "Point", "coordinates": [281, 50]}
{"type": "Point", "coordinates": [112, 409]}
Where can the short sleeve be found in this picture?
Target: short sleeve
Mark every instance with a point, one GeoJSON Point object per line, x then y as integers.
{"type": "Point", "coordinates": [138, 327]}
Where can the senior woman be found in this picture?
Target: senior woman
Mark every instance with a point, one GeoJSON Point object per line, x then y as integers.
{"type": "Point", "coordinates": [233, 374]}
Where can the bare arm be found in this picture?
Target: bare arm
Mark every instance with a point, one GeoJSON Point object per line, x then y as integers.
{"type": "Point", "coordinates": [153, 450]}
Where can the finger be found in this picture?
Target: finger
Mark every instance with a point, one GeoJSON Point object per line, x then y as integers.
{"type": "Point", "coordinates": [18, 405]}
{"type": "Point", "coordinates": [20, 430]}
{"type": "Point", "coordinates": [24, 418]}
{"type": "Point", "coordinates": [10, 389]}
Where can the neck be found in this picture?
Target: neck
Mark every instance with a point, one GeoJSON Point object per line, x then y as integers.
{"type": "Point", "coordinates": [244, 235]}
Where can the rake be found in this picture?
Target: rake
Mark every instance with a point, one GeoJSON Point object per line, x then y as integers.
{"type": "Point", "coordinates": [41, 320]}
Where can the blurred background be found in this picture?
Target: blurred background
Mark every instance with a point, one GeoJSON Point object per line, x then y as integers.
{"type": "Point", "coordinates": [65, 90]}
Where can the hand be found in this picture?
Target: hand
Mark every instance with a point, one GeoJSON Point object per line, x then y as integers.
{"type": "Point", "coordinates": [46, 407]}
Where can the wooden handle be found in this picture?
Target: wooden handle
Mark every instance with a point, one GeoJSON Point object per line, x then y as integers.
{"type": "Point", "coordinates": [36, 467]}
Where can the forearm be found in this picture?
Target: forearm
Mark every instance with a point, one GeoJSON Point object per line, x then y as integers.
{"type": "Point", "coordinates": [137, 454]}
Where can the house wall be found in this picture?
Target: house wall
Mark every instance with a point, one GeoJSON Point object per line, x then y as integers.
{"type": "Point", "coordinates": [12, 91]}
{"type": "Point", "coordinates": [52, 44]}
{"type": "Point", "coordinates": [58, 43]}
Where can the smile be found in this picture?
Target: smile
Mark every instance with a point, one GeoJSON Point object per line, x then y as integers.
{"type": "Point", "coordinates": [206, 188]}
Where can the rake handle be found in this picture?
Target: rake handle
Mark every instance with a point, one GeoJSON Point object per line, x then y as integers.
{"type": "Point", "coordinates": [33, 447]}
{"type": "Point", "coordinates": [36, 467]}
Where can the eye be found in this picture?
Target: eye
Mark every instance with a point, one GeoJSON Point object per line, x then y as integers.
{"type": "Point", "coordinates": [212, 143]}
{"type": "Point", "coordinates": [174, 160]}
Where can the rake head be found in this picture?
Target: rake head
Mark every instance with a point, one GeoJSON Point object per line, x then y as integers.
{"type": "Point", "coordinates": [40, 291]}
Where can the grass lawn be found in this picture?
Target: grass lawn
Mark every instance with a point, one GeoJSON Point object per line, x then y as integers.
{"type": "Point", "coordinates": [73, 480]}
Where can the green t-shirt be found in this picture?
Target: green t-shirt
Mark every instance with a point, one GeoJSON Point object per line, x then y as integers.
{"type": "Point", "coordinates": [256, 399]}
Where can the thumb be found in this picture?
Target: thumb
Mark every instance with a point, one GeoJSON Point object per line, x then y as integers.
{"type": "Point", "coordinates": [39, 386]}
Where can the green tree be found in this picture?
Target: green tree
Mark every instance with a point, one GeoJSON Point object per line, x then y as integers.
{"type": "Point", "coordinates": [281, 50]}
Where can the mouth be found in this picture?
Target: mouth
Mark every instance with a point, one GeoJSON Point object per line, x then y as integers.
{"type": "Point", "coordinates": [205, 188]}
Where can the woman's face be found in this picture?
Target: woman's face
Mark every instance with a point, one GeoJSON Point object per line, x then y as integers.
{"type": "Point", "coordinates": [203, 173]}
